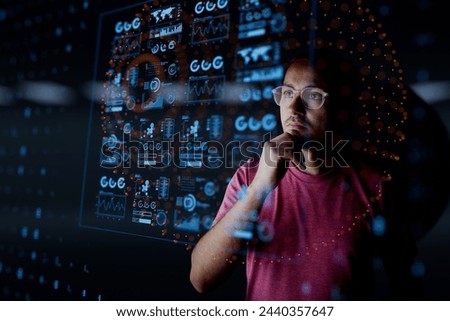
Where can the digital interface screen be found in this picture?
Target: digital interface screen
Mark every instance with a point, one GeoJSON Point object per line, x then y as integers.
{"type": "Point", "coordinates": [183, 104]}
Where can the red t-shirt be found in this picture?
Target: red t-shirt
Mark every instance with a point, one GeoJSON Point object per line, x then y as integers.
{"type": "Point", "coordinates": [315, 234]}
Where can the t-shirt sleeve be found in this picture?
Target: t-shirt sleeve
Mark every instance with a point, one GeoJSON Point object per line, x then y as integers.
{"type": "Point", "coordinates": [236, 187]}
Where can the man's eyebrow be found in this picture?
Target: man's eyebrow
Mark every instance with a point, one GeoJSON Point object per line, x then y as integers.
{"type": "Point", "coordinates": [292, 86]}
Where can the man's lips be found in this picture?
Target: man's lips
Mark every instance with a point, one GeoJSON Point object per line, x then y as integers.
{"type": "Point", "coordinates": [296, 122]}
{"type": "Point", "coordinates": [297, 125]}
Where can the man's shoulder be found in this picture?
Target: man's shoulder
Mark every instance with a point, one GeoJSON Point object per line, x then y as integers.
{"type": "Point", "coordinates": [367, 170]}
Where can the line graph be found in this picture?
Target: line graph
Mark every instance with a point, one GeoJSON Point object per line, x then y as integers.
{"type": "Point", "coordinates": [110, 204]}
{"type": "Point", "coordinates": [210, 28]}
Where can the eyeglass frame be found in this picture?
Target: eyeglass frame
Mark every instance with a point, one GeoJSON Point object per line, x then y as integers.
{"type": "Point", "coordinates": [300, 93]}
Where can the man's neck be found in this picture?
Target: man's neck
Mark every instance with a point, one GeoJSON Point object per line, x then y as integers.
{"type": "Point", "coordinates": [312, 162]}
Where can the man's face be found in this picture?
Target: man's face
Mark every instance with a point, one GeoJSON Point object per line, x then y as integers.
{"type": "Point", "coordinates": [297, 120]}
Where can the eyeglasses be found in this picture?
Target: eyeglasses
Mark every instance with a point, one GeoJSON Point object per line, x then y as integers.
{"type": "Point", "coordinates": [312, 97]}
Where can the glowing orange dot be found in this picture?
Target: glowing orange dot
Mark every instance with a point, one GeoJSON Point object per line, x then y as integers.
{"type": "Point", "coordinates": [363, 120]}
{"type": "Point", "coordinates": [356, 145]}
{"type": "Point", "coordinates": [345, 7]}
{"type": "Point", "coordinates": [354, 25]}
{"type": "Point", "coordinates": [326, 5]}
{"type": "Point", "coordinates": [382, 100]}
{"type": "Point", "coordinates": [335, 23]}
{"type": "Point", "coordinates": [365, 70]}
{"type": "Point", "coordinates": [304, 6]}
{"type": "Point", "coordinates": [341, 44]}
{"type": "Point", "coordinates": [379, 125]}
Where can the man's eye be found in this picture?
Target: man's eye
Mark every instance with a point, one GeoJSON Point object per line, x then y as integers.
{"type": "Point", "coordinates": [288, 94]}
{"type": "Point", "coordinates": [314, 96]}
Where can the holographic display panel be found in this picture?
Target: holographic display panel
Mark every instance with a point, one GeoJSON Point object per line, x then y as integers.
{"type": "Point", "coordinates": [182, 98]}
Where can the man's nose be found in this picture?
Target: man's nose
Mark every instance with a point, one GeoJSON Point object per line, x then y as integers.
{"type": "Point", "coordinates": [297, 104]}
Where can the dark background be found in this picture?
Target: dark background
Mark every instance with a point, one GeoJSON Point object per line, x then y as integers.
{"type": "Point", "coordinates": [44, 255]}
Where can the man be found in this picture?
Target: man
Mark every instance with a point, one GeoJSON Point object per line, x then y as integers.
{"type": "Point", "coordinates": [304, 210]}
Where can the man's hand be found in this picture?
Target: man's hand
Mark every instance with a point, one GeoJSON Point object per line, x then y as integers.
{"type": "Point", "coordinates": [274, 160]}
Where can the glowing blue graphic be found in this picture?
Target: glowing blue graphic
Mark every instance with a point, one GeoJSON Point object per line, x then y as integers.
{"type": "Point", "coordinates": [210, 6]}
{"type": "Point", "coordinates": [260, 75]}
{"type": "Point", "coordinates": [162, 186]}
{"type": "Point", "coordinates": [161, 117]}
{"type": "Point", "coordinates": [165, 15]}
{"type": "Point", "coordinates": [267, 123]}
{"type": "Point", "coordinates": [126, 26]}
{"type": "Point", "coordinates": [259, 20]}
{"type": "Point", "coordinates": [166, 31]}
{"type": "Point", "coordinates": [126, 47]}
{"type": "Point", "coordinates": [110, 204]}
{"type": "Point", "coordinates": [210, 29]}
{"type": "Point", "coordinates": [214, 125]}
{"type": "Point", "coordinates": [206, 88]}
{"type": "Point", "coordinates": [260, 55]}
{"type": "Point", "coordinates": [205, 65]}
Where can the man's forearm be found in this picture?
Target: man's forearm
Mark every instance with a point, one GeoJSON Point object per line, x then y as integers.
{"type": "Point", "coordinates": [215, 253]}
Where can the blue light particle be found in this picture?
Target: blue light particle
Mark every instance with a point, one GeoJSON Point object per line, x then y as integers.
{"type": "Point", "coordinates": [423, 75]}
{"type": "Point", "coordinates": [36, 234]}
{"type": "Point", "coordinates": [20, 170]}
{"type": "Point", "coordinates": [38, 213]}
{"type": "Point", "coordinates": [24, 232]}
{"type": "Point", "coordinates": [306, 288]}
{"type": "Point", "coordinates": [242, 192]}
{"type": "Point", "coordinates": [19, 274]}
{"type": "Point", "coordinates": [424, 39]}
{"type": "Point", "coordinates": [418, 269]}
{"type": "Point", "coordinates": [3, 14]}
{"type": "Point", "coordinates": [23, 151]}
{"type": "Point", "coordinates": [419, 113]}
{"type": "Point", "coordinates": [379, 225]}
{"type": "Point", "coordinates": [378, 263]}
{"type": "Point", "coordinates": [384, 10]}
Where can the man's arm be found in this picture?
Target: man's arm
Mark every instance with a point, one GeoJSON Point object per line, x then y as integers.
{"type": "Point", "coordinates": [215, 253]}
